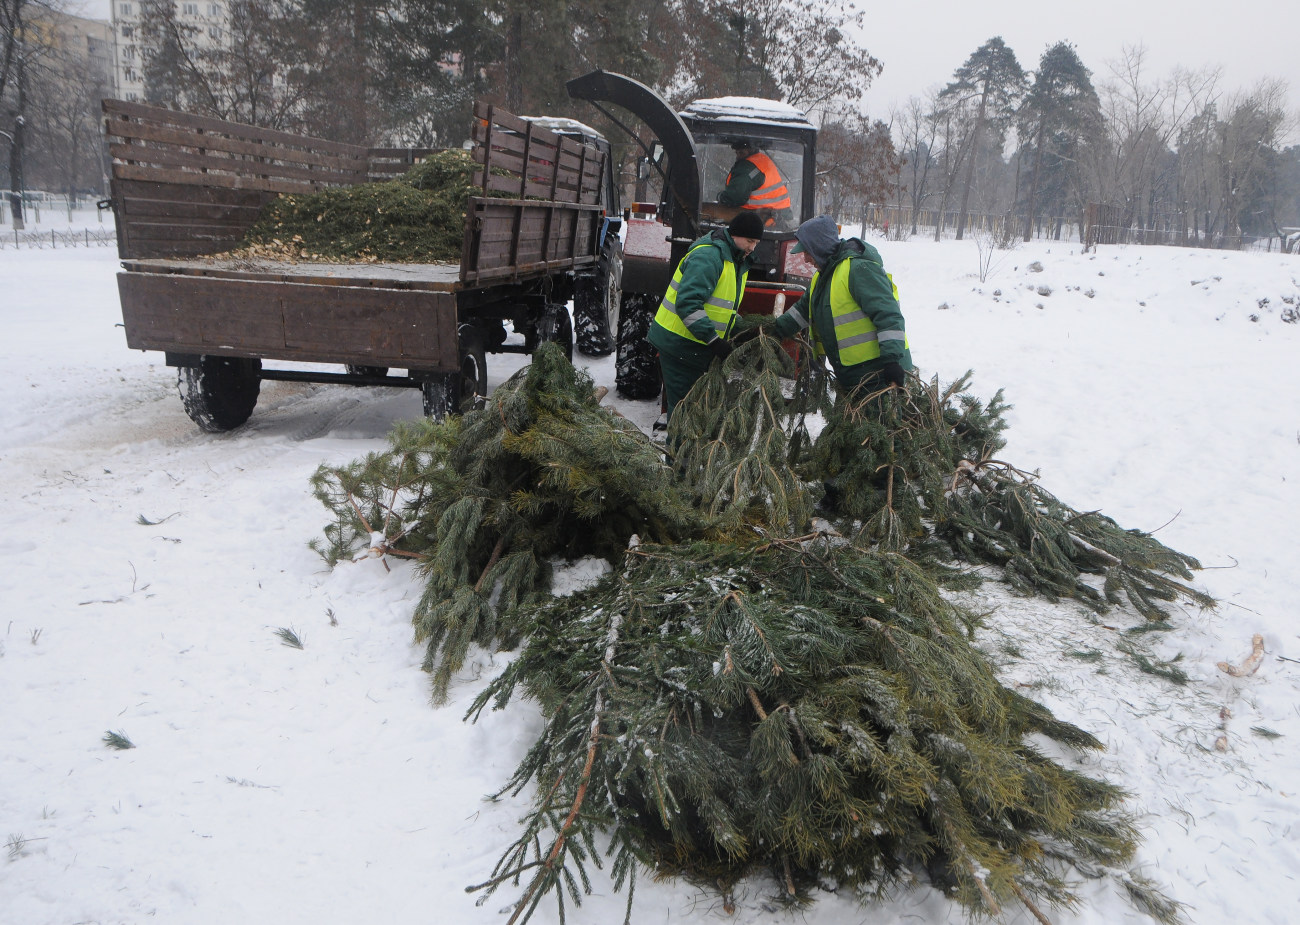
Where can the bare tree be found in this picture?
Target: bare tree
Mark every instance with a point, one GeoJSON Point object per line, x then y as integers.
{"type": "Point", "coordinates": [918, 130]}
{"type": "Point", "coordinates": [246, 74]}
{"type": "Point", "coordinates": [856, 164]}
{"type": "Point", "coordinates": [1143, 119]}
{"type": "Point", "coordinates": [801, 51]}
{"type": "Point", "coordinates": [1252, 125]}
{"type": "Point", "coordinates": [64, 140]}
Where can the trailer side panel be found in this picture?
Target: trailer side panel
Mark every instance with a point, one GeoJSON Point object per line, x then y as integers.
{"type": "Point", "coordinates": [410, 329]}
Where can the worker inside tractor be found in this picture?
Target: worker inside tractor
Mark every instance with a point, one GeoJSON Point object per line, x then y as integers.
{"type": "Point", "coordinates": [744, 172]}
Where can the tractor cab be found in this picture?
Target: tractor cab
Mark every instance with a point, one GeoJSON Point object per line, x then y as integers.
{"type": "Point", "coordinates": [780, 136]}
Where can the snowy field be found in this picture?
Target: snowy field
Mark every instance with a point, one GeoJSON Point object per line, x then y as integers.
{"type": "Point", "coordinates": [148, 567]}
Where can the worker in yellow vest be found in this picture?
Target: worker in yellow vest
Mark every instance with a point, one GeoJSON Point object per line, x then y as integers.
{"type": "Point", "coordinates": [755, 184]}
{"type": "Point", "coordinates": [852, 308]}
{"type": "Point", "coordinates": [694, 322]}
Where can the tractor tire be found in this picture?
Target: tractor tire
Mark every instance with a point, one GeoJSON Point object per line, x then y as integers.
{"type": "Point", "coordinates": [220, 393]}
{"type": "Point", "coordinates": [452, 393]}
{"type": "Point", "coordinates": [556, 327]}
{"type": "Point", "coordinates": [636, 371]}
{"type": "Point", "coordinates": [595, 306]}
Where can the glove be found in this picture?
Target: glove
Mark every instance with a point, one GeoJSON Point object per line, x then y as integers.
{"type": "Point", "coordinates": [719, 348]}
{"type": "Point", "coordinates": [892, 374]}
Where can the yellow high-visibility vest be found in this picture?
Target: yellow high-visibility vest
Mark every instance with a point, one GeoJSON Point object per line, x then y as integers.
{"type": "Point", "coordinates": [856, 335]}
{"type": "Point", "coordinates": [720, 307]}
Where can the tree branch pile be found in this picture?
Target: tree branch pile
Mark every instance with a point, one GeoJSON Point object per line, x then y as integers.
{"type": "Point", "coordinates": [771, 678]}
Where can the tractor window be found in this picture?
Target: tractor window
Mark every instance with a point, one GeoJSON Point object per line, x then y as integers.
{"type": "Point", "coordinates": [717, 157]}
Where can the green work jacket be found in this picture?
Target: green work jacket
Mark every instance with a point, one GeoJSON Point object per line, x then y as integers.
{"type": "Point", "coordinates": [701, 301]}
{"type": "Point", "coordinates": [852, 308]}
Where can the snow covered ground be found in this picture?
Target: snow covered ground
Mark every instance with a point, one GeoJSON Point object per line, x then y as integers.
{"type": "Point", "coordinates": [148, 568]}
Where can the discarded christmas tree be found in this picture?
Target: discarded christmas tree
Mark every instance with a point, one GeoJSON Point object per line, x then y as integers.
{"type": "Point", "coordinates": [487, 500]}
{"type": "Point", "coordinates": [745, 692]}
{"type": "Point", "coordinates": [798, 707]}
{"type": "Point", "coordinates": [911, 469]}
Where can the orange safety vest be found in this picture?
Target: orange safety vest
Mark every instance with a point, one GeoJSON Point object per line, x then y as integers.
{"type": "Point", "coordinates": [773, 193]}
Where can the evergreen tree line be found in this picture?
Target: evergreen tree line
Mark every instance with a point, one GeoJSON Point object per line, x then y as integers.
{"type": "Point", "coordinates": [1173, 160]}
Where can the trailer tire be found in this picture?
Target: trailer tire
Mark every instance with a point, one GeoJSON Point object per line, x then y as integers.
{"type": "Point", "coordinates": [367, 370]}
{"type": "Point", "coordinates": [556, 327]}
{"type": "Point", "coordinates": [595, 306]}
{"type": "Point", "coordinates": [636, 370]}
{"type": "Point", "coordinates": [220, 393]}
{"type": "Point", "coordinates": [448, 393]}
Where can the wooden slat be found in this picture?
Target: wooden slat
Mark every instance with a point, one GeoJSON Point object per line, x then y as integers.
{"type": "Point", "coordinates": [435, 277]}
{"type": "Point", "coordinates": [182, 212]}
{"type": "Point", "coordinates": [208, 163]}
{"type": "Point", "coordinates": [226, 180]}
{"type": "Point", "coordinates": [162, 116]}
{"type": "Point", "coordinates": [165, 137]}
{"type": "Point", "coordinates": [137, 190]}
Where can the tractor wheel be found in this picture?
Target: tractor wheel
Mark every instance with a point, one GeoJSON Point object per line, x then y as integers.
{"type": "Point", "coordinates": [595, 308]}
{"type": "Point", "coordinates": [636, 372]}
{"type": "Point", "coordinates": [556, 327]}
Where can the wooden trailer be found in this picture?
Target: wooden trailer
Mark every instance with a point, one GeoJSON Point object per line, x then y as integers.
{"type": "Point", "coordinates": [188, 187]}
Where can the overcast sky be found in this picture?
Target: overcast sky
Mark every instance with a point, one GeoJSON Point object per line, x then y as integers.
{"type": "Point", "coordinates": [921, 44]}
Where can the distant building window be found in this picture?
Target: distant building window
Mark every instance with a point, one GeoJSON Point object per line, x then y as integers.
{"type": "Point", "coordinates": [214, 10]}
{"type": "Point", "coordinates": [215, 32]}
{"type": "Point", "coordinates": [129, 53]}
{"type": "Point", "coordinates": [126, 31]}
{"type": "Point", "coordinates": [125, 9]}
{"type": "Point", "coordinates": [191, 9]}
{"type": "Point", "coordinates": [132, 96]}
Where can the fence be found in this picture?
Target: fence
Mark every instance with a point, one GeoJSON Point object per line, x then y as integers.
{"type": "Point", "coordinates": [71, 237]}
{"type": "Point", "coordinates": [52, 223]}
{"type": "Point", "coordinates": [898, 222]}
{"type": "Point", "coordinates": [1111, 224]}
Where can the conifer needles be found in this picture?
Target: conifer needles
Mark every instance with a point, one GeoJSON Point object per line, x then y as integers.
{"type": "Point", "coordinates": [745, 692]}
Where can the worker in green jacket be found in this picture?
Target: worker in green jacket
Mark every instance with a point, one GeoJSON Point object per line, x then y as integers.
{"type": "Point", "coordinates": [852, 308]}
{"type": "Point", "coordinates": [693, 325]}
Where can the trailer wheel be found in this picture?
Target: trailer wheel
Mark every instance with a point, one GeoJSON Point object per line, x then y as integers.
{"type": "Point", "coordinates": [367, 370]}
{"type": "Point", "coordinates": [448, 393]}
{"type": "Point", "coordinates": [595, 306]}
{"type": "Point", "coordinates": [219, 394]}
{"type": "Point", "coordinates": [556, 327]}
{"type": "Point", "coordinates": [636, 372]}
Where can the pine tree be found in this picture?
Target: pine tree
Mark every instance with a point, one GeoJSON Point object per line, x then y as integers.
{"type": "Point", "coordinates": [994, 79]}
{"type": "Point", "coordinates": [1062, 111]}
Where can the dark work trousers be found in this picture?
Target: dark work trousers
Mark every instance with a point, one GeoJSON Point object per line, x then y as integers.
{"type": "Point", "coordinates": [681, 370]}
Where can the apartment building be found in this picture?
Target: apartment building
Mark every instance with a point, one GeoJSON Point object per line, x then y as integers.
{"type": "Point", "coordinates": [203, 21]}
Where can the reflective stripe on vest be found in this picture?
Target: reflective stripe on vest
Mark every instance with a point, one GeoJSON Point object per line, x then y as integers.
{"type": "Point", "coordinates": [773, 194]}
{"type": "Point", "coordinates": [720, 307]}
{"type": "Point", "coordinates": [856, 336]}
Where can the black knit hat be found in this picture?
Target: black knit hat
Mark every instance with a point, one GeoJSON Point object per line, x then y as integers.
{"type": "Point", "coordinates": [746, 224]}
